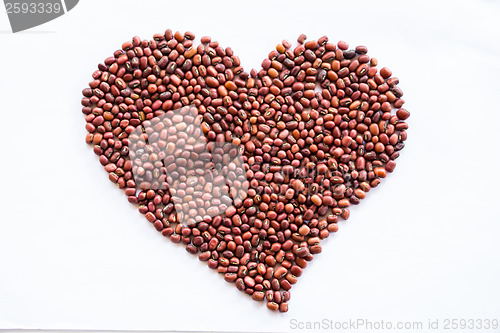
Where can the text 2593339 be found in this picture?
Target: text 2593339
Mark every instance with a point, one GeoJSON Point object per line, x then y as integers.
{"type": "Point", "coordinates": [33, 7]}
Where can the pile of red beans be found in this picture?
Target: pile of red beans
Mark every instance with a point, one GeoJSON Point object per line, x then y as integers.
{"type": "Point", "coordinates": [317, 127]}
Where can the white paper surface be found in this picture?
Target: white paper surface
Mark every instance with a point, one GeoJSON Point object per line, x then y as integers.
{"type": "Point", "coordinates": [423, 246]}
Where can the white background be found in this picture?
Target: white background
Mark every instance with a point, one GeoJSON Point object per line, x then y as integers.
{"type": "Point", "coordinates": [424, 245]}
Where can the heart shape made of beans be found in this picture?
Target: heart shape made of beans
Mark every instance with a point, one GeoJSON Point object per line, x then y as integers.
{"type": "Point", "coordinates": [250, 171]}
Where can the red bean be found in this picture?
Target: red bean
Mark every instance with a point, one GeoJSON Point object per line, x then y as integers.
{"type": "Point", "coordinates": [385, 72]}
